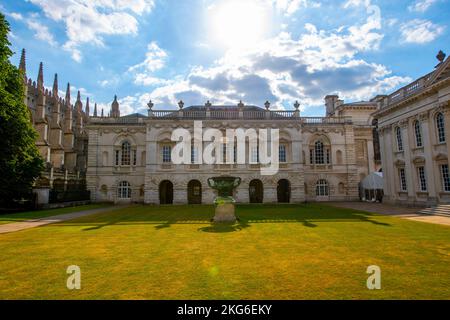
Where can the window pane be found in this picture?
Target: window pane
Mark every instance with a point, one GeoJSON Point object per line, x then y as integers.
{"type": "Point", "coordinates": [445, 177]}
{"type": "Point", "coordinates": [126, 154]}
{"type": "Point", "coordinates": [422, 179]}
{"type": "Point", "coordinates": [282, 152]}
{"type": "Point", "coordinates": [319, 154]}
{"type": "Point", "coordinates": [418, 132]}
{"type": "Point", "coordinates": [403, 186]}
{"type": "Point", "coordinates": [399, 139]}
{"type": "Point", "coordinates": [440, 124]}
{"type": "Point", "coordinates": [167, 154]}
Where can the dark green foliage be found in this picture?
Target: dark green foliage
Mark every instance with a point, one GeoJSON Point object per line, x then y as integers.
{"type": "Point", "coordinates": [20, 162]}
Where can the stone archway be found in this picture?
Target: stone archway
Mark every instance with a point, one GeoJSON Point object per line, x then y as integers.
{"type": "Point", "coordinates": [166, 192]}
{"type": "Point", "coordinates": [194, 192]}
{"type": "Point", "coordinates": [256, 191]}
{"type": "Point", "coordinates": [284, 191]}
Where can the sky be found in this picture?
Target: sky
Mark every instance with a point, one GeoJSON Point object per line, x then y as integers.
{"type": "Point", "coordinates": [228, 50]}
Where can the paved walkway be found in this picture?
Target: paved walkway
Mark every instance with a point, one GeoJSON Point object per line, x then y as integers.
{"type": "Point", "coordinates": [19, 226]}
{"type": "Point", "coordinates": [396, 211]}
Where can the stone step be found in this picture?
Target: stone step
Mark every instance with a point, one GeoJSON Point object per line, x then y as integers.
{"type": "Point", "coordinates": [441, 210]}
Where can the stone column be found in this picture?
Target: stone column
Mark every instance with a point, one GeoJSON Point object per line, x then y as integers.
{"type": "Point", "coordinates": [370, 156]}
{"type": "Point", "coordinates": [428, 153]}
{"type": "Point", "coordinates": [409, 167]}
{"type": "Point", "coordinates": [446, 111]}
{"type": "Point", "coordinates": [242, 194]}
{"type": "Point", "coordinates": [384, 164]}
{"type": "Point", "coordinates": [270, 193]}
{"type": "Point", "coordinates": [180, 194]}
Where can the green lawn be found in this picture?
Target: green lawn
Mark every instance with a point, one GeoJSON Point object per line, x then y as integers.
{"type": "Point", "coordinates": [39, 214]}
{"type": "Point", "coordinates": [275, 252]}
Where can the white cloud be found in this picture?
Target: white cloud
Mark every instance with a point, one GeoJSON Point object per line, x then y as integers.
{"type": "Point", "coordinates": [291, 6]}
{"type": "Point", "coordinates": [421, 5]}
{"type": "Point", "coordinates": [41, 32]}
{"type": "Point", "coordinates": [155, 59]}
{"type": "Point", "coordinates": [284, 69]}
{"type": "Point", "coordinates": [420, 31]}
{"type": "Point", "coordinates": [87, 21]}
{"type": "Point", "coordinates": [16, 16]}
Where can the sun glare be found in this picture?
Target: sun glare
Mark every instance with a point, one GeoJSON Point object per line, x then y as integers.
{"type": "Point", "coordinates": [238, 23]}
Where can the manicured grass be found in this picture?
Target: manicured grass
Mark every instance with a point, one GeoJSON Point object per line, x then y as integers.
{"type": "Point", "coordinates": [275, 252]}
{"type": "Point", "coordinates": [39, 214]}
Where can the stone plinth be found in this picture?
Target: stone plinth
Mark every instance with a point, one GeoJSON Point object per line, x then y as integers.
{"type": "Point", "coordinates": [225, 210]}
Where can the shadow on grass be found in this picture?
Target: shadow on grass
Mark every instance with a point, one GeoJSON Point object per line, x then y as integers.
{"type": "Point", "coordinates": [164, 217]}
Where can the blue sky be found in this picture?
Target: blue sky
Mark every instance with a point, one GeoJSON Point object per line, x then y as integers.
{"type": "Point", "coordinates": [228, 50]}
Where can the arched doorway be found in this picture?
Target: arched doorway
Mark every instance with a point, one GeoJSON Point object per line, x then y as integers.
{"type": "Point", "coordinates": [256, 191]}
{"type": "Point", "coordinates": [284, 191]}
{"type": "Point", "coordinates": [194, 192]}
{"type": "Point", "coordinates": [166, 192]}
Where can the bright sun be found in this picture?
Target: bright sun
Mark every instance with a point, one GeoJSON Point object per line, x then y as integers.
{"type": "Point", "coordinates": [238, 23]}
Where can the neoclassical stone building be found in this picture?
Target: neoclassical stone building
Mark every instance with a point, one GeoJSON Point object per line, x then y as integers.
{"type": "Point", "coordinates": [321, 159]}
{"type": "Point", "coordinates": [414, 130]}
{"type": "Point", "coordinates": [62, 139]}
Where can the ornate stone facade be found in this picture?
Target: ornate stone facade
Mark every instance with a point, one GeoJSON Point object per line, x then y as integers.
{"type": "Point", "coordinates": [324, 159]}
{"type": "Point", "coordinates": [62, 139]}
{"type": "Point", "coordinates": [414, 127]}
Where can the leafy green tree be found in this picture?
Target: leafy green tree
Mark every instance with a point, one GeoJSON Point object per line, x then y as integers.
{"type": "Point", "coordinates": [20, 162]}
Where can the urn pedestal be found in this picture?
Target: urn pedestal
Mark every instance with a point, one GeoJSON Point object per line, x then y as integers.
{"type": "Point", "coordinates": [225, 204]}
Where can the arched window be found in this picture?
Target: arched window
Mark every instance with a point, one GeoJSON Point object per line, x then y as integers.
{"type": "Point", "coordinates": [418, 133]}
{"type": "Point", "coordinates": [124, 191]}
{"type": "Point", "coordinates": [319, 155]}
{"type": "Point", "coordinates": [322, 189]}
{"type": "Point", "coordinates": [126, 154]}
{"type": "Point", "coordinates": [440, 126]}
{"type": "Point", "coordinates": [398, 133]}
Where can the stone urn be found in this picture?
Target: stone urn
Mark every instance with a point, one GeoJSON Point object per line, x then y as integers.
{"type": "Point", "coordinates": [224, 202]}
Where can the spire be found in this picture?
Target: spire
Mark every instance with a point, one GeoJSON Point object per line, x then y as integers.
{"type": "Point", "coordinates": [78, 104]}
{"type": "Point", "coordinates": [115, 110]}
{"type": "Point", "coordinates": [40, 79]}
{"type": "Point", "coordinates": [103, 114]}
{"type": "Point", "coordinates": [88, 111]}
{"type": "Point", "coordinates": [55, 86]}
{"type": "Point", "coordinates": [23, 62]}
{"type": "Point", "coordinates": [95, 111]}
{"type": "Point", "coordinates": [68, 95]}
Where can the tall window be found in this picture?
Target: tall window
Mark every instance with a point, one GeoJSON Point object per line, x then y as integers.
{"type": "Point", "coordinates": [255, 154]}
{"type": "Point", "coordinates": [319, 156]}
{"type": "Point", "coordinates": [418, 132]}
{"type": "Point", "coordinates": [322, 188]}
{"type": "Point", "coordinates": [194, 153]}
{"type": "Point", "coordinates": [167, 154]}
{"type": "Point", "coordinates": [402, 174]}
{"type": "Point", "coordinates": [422, 179]}
{"type": "Point", "coordinates": [134, 157]}
{"type": "Point", "coordinates": [126, 154]}
{"type": "Point", "coordinates": [440, 126]}
{"type": "Point", "coordinates": [224, 153]}
{"type": "Point", "coordinates": [398, 133]}
{"type": "Point", "coordinates": [124, 191]}
{"type": "Point", "coordinates": [445, 177]}
{"type": "Point", "coordinates": [282, 152]}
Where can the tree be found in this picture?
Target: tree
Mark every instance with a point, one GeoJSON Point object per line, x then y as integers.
{"type": "Point", "coordinates": [20, 162]}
